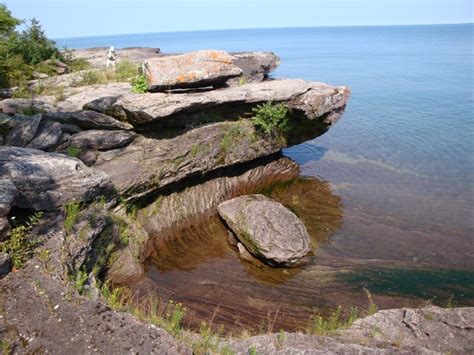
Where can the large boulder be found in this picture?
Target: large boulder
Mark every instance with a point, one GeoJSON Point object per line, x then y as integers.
{"type": "Point", "coordinates": [47, 181]}
{"type": "Point", "coordinates": [255, 65]}
{"type": "Point", "coordinates": [195, 69]}
{"type": "Point", "coordinates": [266, 228]}
{"type": "Point", "coordinates": [308, 99]}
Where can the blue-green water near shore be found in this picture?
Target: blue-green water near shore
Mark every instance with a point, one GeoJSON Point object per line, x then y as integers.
{"type": "Point", "coordinates": [401, 159]}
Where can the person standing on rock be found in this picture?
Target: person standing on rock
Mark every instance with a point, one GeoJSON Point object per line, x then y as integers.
{"type": "Point", "coordinates": [111, 57]}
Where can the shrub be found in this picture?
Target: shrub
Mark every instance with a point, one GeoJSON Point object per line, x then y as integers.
{"type": "Point", "coordinates": [140, 84]}
{"type": "Point", "coordinates": [21, 245]}
{"type": "Point", "coordinates": [271, 118]}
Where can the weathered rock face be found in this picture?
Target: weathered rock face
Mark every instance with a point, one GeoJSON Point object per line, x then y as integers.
{"type": "Point", "coordinates": [150, 164]}
{"type": "Point", "coordinates": [255, 66]}
{"type": "Point", "coordinates": [88, 120]}
{"type": "Point", "coordinates": [195, 69]}
{"type": "Point", "coordinates": [47, 181]}
{"type": "Point", "coordinates": [102, 140]}
{"type": "Point", "coordinates": [310, 99]}
{"type": "Point", "coordinates": [8, 193]}
{"type": "Point", "coordinates": [24, 131]}
{"type": "Point", "coordinates": [266, 228]}
{"type": "Point", "coordinates": [47, 135]}
{"type": "Point", "coordinates": [55, 319]}
{"type": "Point", "coordinates": [13, 106]}
{"type": "Point", "coordinates": [5, 264]}
{"type": "Point", "coordinates": [430, 330]}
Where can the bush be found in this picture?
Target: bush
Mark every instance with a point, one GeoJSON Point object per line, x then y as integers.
{"type": "Point", "coordinates": [140, 84]}
{"type": "Point", "coordinates": [271, 118]}
{"type": "Point", "coordinates": [20, 245]}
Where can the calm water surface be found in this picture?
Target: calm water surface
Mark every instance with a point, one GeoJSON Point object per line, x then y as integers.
{"type": "Point", "coordinates": [400, 164]}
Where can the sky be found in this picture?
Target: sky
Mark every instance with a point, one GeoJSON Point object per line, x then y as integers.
{"type": "Point", "coordinates": [80, 18]}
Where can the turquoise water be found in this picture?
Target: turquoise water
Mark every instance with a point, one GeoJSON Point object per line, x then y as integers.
{"type": "Point", "coordinates": [401, 159]}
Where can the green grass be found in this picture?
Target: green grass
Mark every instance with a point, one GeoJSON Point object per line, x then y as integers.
{"type": "Point", "coordinates": [6, 347]}
{"type": "Point", "coordinates": [72, 210]}
{"type": "Point", "coordinates": [326, 325]}
{"type": "Point", "coordinates": [168, 315]}
{"type": "Point", "coordinates": [31, 110]}
{"type": "Point", "coordinates": [21, 245]}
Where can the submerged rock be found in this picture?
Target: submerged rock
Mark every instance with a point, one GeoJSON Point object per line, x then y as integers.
{"type": "Point", "coordinates": [268, 230]}
{"type": "Point", "coordinates": [47, 181]}
{"type": "Point", "coordinates": [195, 69]}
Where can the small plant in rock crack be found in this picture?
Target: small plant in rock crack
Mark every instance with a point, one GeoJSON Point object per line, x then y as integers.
{"type": "Point", "coordinates": [21, 245]}
{"type": "Point", "coordinates": [271, 118]}
{"type": "Point", "coordinates": [140, 84]}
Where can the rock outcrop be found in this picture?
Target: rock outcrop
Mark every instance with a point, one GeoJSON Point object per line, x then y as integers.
{"type": "Point", "coordinates": [310, 99]}
{"type": "Point", "coordinates": [12, 106]}
{"type": "Point", "coordinates": [47, 181]}
{"type": "Point", "coordinates": [190, 70]}
{"type": "Point", "coordinates": [148, 164]}
{"type": "Point", "coordinates": [266, 228]}
{"type": "Point", "coordinates": [8, 192]}
{"type": "Point", "coordinates": [429, 330]}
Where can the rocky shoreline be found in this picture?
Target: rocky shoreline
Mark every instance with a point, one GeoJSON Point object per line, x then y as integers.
{"type": "Point", "coordinates": [112, 170]}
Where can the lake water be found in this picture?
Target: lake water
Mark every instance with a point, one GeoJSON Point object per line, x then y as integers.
{"type": "Point", "coordinates": [400, 162]}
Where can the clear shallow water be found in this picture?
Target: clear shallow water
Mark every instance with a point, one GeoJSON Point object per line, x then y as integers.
{"type": "Point", "coordinates": [401, 159]}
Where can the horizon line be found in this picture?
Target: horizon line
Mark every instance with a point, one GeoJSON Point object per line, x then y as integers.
{"type": "Point", "coordinates": [264, 28]}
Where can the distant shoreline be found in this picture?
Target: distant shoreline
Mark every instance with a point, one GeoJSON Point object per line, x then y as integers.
{"type": "Point", "coordinates": [261, 28]}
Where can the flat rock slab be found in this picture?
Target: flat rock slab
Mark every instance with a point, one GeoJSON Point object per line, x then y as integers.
{"type": "Point", "coordinates": [42, 309]}
{"type": "Point", "coordinates": [268, 230]}
{"type": "Point", "coordinates": [431, 330]}
{"type": "Point", "coordinates": [88, 120]}
{"type": "Point", "coordinates": [47, 181]}
{"type": "Point", "coordinates": [13, 106]}
{"type": "Point", "coordinates": [195, 69]}
{"type": "Point", "coordinates": [311, 99]}
{"type": "Point", "coordinates": [102, 140]}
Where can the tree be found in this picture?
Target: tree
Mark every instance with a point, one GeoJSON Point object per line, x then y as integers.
{"type": "Point", "coordinates": [34, 46]}
{"type": "Point", "coordinates": [8, 23]}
